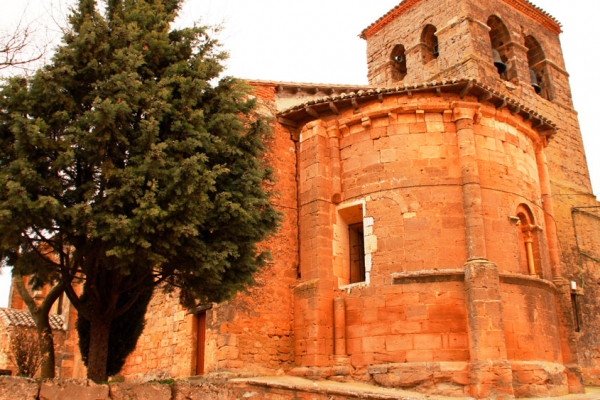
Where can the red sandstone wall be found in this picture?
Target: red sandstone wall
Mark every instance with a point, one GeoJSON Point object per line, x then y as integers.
{"type": "Point", "coordinates": [252, 333]}
{"type": "Point", "coordinates": [587, 222]}
{"type": "Point", "coordinates": [413, 322]}
{"type": "Point", "coordinates": [509, 177]}
{"type": "Point", "coordinates": [530, 323]}
{"type": "Point", "coordinates": [166, 347]}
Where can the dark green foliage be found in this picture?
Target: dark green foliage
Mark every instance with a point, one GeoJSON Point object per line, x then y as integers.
{"type": "Point", "coordinates": [124, 332]}
{"type": "Point", "coordinates": [127, 158]}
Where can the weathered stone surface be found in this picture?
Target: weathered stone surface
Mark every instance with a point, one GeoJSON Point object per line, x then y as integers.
{"type": "Point", "coordinates": [539, 379]}
{"type": "Point", "coordinates": [69, 389]}
{"type": "Point", "coordinates": [18, 388]}
{"type": "Point", "coordinates": [432, 378]}
{"type": "Point", "coordinates": [191, 390]}
{"type": "Point", "coordinates": [140, 391]}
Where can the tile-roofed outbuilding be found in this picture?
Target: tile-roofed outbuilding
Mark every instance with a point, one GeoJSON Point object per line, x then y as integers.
{"type": "Point", "coordinates": [22, 318]}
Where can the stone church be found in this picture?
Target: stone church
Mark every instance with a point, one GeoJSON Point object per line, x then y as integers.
{"type": "Point", "coordinates": [440, 233]}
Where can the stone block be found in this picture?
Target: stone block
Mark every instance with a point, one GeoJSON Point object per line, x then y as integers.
{"type": "Point", "coordinates": [69, 389]}
{"type": "Point", "coordinates": [140, 391]}
{"type": "Point", "coordinates": [12, 388]}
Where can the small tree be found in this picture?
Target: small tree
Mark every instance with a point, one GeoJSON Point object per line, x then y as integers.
{"type": "Point", "coordinates": [41, 275]}
{"type": "Point", "coordinates": [130, 160]}
{"type": "Point", "coordinates": [40, 314]}
{"type": "Point", "coordinates": [25, 352]}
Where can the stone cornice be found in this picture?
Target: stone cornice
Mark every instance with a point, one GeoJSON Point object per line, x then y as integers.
{"type": "Point", "coordinates": [535, 13]}
{"type": "Point", "coordinates": [524, 6]}
{"type": "Point", "coordinates": [387, 18]}
{"type": "Point", "coordinates": [333, 104]}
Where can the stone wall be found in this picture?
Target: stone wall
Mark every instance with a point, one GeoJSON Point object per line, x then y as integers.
{"type": "Point", "coordinates": [252, 333]}
{"type": "Point", "coordinates": [269, 389]}
{"type": "Point", "coordinates": [587, 225]}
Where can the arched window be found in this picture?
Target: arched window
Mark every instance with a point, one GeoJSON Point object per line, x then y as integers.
{"type": "Point", "coordinates": [529, 244]}
{"type": "Point", "coordinates": [499, 37]}
{"type": "Point", "coordinates": [398, 62]}
{"type": "Point", "coordinates": [537, 70]}
{"type": "Point", "coordinates": [429, 43]}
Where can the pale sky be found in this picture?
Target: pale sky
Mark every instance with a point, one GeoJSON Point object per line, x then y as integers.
{"type": "Point", "coordinates": [317, 41]}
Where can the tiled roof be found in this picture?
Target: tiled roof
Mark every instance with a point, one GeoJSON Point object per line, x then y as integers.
{"type": "Point", "coordinates": [310, 85]}
{"type": "Point", "coordinates": [462, 86]}
{"type": "Point", "coordinates": [529, 9]}
{"type": "Point", "coordinates": [22, 318]}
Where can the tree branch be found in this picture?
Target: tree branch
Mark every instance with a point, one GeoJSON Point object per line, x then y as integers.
{"type": "Point", "coordinates": [25, 295]}
{"type": "Point", "coordinates": [51, 297]}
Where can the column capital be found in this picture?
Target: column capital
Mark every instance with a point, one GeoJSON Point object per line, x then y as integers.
{"type": "Point", "coordinates": [465, 110]}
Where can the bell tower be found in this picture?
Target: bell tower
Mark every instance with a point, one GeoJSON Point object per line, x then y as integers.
{"type": "Point", "coordinates": [502, 41]}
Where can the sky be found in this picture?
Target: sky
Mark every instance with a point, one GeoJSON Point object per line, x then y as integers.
{"type": "Point", "coordinates": [317, 41]}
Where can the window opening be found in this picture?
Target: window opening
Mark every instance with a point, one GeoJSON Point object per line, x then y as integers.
{"type": "Point", "coordinates": [398, 61]}
{"type": "Point", "coordinates": [537, 73]}
{"type": "Point", "coordinates": [499, 38]}
{"type": "Point", "coordinates": [356, 243]}
{"type": "Point", "coordinates": [529, 241]}
{"type": "Point", "coordinates": [350, 260]}
{"type": "Point", "coordinates": [575, 312]}
{"type": "Point", "coordinates": [430, 44]}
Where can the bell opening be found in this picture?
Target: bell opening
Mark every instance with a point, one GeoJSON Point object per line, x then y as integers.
{"type": "Point", "coordinates": [500, 66]}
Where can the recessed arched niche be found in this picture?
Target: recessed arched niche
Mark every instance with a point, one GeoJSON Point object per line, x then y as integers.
{"type": "Point", "coordinates": [398, 63]}
{"type": "Point", "coordinates": [429, 44]}
{"type": "Point", "coordinates": [499, 38]}
{"type": "Point", "coordinates": [537, 68]}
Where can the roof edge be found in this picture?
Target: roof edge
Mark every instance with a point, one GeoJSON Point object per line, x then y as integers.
{"type": "Point", "coordinates": [532, 11]}
{"type": "Point", "coordinates": [313, 107]}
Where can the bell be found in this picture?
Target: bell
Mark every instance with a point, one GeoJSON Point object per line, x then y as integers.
{"type": "Point", "coordinates": [399, 58]}
{"type": "Point", "coordinates": [534, 82]}
{"type": "Point", "coordinates": [500, 66]}
{"type": "Point", "coordinates": [436, 50]}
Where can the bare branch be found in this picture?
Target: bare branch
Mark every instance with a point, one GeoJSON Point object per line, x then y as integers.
{"type": "Point", "coordinates": [18, 47]}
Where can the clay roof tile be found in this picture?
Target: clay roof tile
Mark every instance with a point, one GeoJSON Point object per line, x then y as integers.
{"type": "Point", "coordinates": [22, 318]}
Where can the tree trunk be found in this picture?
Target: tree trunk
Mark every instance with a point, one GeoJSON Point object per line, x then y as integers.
{"type": "Point", "coordinates": [40, 317]}
{"type": "Point", "coordinates": [98, 353]}
{"type": "Point", "coordinates": [46, 340]}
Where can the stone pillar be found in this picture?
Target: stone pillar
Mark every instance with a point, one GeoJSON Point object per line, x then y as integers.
{"type": "Point", "coordinates": [339, 326]}
{"type": "Point", "coordinates": [463, 115]}
{"type": "Point", "coordinates": [518, 65]}
{"type": "Point", "coordinates": [313, 313]}
{"type": "Point", "coordinates": [336, 169]}
{"type": "Point", "coordinates": [548, 207]}
{"type": "Point", "coordinates": [490, 371]}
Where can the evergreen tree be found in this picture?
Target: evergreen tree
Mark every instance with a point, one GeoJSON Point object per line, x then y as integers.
{"type": "Point", "coordinates": [131, 160]}
{"type": "Point", "coordinates": [124, 331]}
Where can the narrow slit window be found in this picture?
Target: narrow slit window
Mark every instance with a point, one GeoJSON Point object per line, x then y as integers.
{"type": "Point", "coordinates": [575, 312]}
